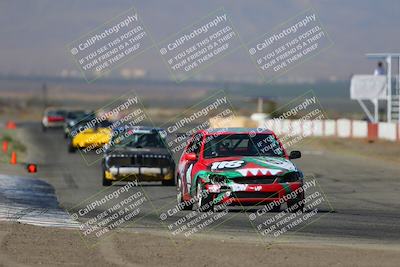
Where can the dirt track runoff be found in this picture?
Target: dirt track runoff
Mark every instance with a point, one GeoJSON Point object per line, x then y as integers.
{"type": "Point", "coordinates": [362, 230]}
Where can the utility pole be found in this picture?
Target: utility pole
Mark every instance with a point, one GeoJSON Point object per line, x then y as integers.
{"type": "Point", "coordinates": [44, 95]}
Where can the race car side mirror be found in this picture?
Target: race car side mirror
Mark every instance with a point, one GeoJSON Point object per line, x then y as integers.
{"type": "Point", "coordinates": [191, 157]}
{"type": "Point", "coordinates": [295, 154]}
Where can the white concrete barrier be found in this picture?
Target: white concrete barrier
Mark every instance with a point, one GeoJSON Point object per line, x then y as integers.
{"type": "Point", "coordinates": [360, 129]}
{"type": "Point", "coordinates": [343, 128]}
{"type": "Point", "coordinates": [296, 127]}
{"type": "Point", "coordinates": [387, 131]}
{"type": "Point", "coordinates": [329, 128]}
{"type": "Point", "coordinates": [318, 128]}
{"type": "Point", "coordinates": [307, 128]}
{"type": "Point", "coordinates": [286, 126]}
{"type": "Point", "coordinates": [278, 127]}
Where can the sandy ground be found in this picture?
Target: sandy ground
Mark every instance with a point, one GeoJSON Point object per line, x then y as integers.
{"type": "Point", "coordinates": [25, 245]}
{"type": "Point", "coordinates": [377, 150]}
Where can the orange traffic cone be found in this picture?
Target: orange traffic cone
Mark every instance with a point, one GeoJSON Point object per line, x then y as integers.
{"type": "Point", "coordinates": [5, 146]}
{"type": "Point", "coordinates": [13, 158]}
{"type": "Point", "coordinates": [11, 125]}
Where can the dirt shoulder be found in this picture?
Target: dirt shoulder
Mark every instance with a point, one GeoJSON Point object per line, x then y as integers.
{"type": "Point", "coordinates": [25, 245]}
{"type": "Point", "coordinates": [379, 149]}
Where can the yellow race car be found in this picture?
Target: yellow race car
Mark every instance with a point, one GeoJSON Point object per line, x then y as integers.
{"type": "Point", "coordinates": [86, 138]}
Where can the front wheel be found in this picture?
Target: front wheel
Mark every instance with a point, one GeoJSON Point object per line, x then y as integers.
{"type": "Point", "coordinates": [71, 148]}
{"type": "Point", "coordinates": [296, 204]}
{"type": "Point", "coordinates": [106, 182]}
{"type": "Point", "coordinates": [204, 200]}
{"type": "Point", "coordinates": [179, 197]}
{"type": "Point", "coordinates": [168, 182]}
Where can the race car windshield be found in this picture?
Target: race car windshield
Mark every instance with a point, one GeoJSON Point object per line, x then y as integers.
{"type": "Point", "coordinates": [138, 140]}
{"type": "Point", "coordinates": [242, 145]}
{"type": "Point", "coordinates": [56, 113]}
{"type": "Point", "coordinates": [76, 115]}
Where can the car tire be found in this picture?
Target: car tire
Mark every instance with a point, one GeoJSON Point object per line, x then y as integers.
{"type": "Point", "coordinates": [106, 182]}
{"type": "Point", "coordinates": [276, 208]}
{"type": "Point", "coordinates": [187, 205]}
{"type": "Point", "coordinates": [203, 203]}
{"type": "Point", "coordinates": [71, 148]}
{"type": "Point", "coordinates": [168, 182]}
{"type": "Point", "coordinates": [44, 129]}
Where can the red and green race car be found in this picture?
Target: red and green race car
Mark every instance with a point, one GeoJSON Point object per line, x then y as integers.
{"type": "Point", "coordinates": [238, 166]}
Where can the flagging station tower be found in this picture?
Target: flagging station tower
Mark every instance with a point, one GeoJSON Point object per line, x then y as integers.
{"type": "Point", "coordinates": [379, 88]}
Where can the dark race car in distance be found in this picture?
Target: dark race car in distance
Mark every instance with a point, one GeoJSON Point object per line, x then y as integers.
{"type": "Point", "coordinates": [237, 166]}
{"type": "Point", "coordinates": [138, 154]}
{"type": "Point", "coordinates": [72, 118]}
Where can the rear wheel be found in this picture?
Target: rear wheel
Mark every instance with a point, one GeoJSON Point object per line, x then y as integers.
{"type": "Point", "coordinates": [204, 201]}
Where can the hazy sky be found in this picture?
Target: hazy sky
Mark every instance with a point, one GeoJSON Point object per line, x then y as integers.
{"type": "Point", "coordinates": [34, 34]}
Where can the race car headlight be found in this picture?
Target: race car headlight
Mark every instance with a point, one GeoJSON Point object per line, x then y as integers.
{"type": "Point", "coordinates": [290, 177]}
{"type": "Point", "coordinates": [216, 178]}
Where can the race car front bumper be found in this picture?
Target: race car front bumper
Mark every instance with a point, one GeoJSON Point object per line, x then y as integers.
{"type": "Point", "coordinates": [139, 173]}
{"type": "Point", "coordinates": [250, 194]}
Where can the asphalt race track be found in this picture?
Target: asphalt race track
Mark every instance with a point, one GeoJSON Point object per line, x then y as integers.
{"type": "Point", "coordinates": [363, 193]}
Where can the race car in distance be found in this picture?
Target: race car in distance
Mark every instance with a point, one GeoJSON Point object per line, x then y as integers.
{"type": "Point", "coordinates": [72, 118]}
{"type": "Point", "coordinates": [138, 153]}
{"type": "Point", "coordinates": [53, 118]}
{"type": "Point", "coordinates": [87, 136]}
{"type": "Point", "coordinates": [237, 166]}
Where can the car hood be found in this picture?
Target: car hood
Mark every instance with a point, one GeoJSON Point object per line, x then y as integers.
{"type": "Point", "coordinates": [250, 166]}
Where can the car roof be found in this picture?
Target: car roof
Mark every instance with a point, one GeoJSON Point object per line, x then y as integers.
{"type": "Point", "coordinates": [55, 109]}
{"type": "Point", "coordinates": [236, 130]}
